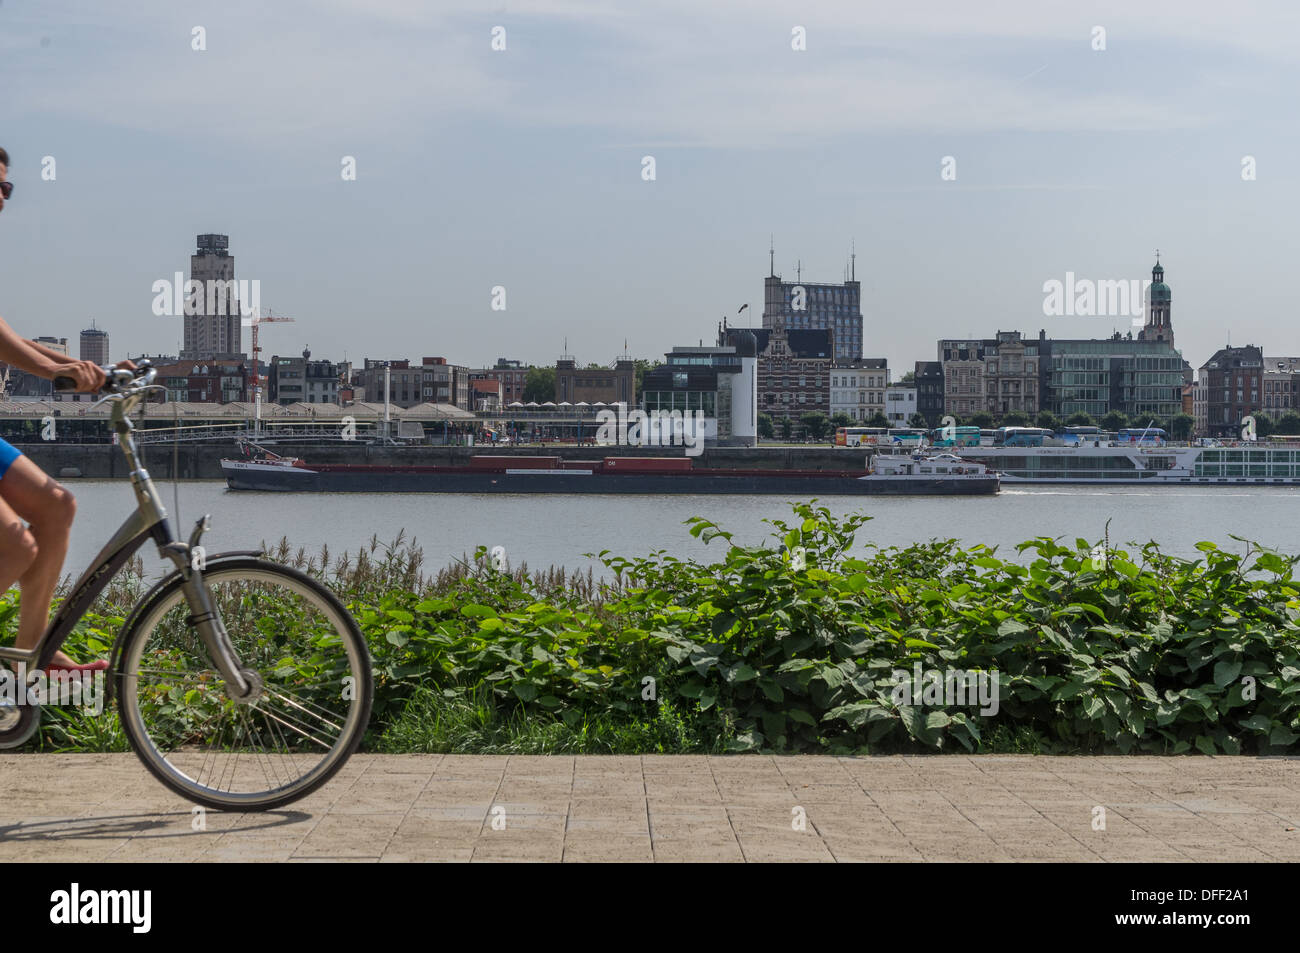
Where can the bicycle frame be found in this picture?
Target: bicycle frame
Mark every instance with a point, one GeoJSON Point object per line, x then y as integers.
{"type": "Point", "coordinates": [149, 520]}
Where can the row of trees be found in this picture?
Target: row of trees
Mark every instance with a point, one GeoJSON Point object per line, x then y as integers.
{"type": "Point", "coordinates": [817, 426]}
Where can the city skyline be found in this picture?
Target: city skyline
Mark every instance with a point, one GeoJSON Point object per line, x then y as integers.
{"type": "Point", "coordinates": [523, 169]}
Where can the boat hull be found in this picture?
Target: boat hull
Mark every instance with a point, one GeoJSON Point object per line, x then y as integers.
{"type": "Point", "coordinates": [306, 480]}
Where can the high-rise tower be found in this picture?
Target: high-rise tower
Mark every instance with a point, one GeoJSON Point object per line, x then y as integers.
{"type": "Point", "coordinates": [94, 345]}
{"type": "Point", "coordinates": [213, 332]}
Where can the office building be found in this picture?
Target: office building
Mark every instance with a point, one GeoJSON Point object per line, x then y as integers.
{"type": "Point", "coordinates": [812, 306]}
{"type": "Point", "coordinates": [214, 333]}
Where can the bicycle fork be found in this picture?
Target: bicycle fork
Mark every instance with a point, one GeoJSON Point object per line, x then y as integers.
{"type": "Point", "coordinates": [243, 685]}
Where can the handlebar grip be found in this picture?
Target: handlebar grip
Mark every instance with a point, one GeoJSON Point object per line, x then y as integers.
{"type": "Point", "coordinates": [64, 384]}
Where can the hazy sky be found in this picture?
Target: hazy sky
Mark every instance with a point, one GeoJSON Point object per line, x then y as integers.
{"type": "Point", "coordinates": [522, 168]}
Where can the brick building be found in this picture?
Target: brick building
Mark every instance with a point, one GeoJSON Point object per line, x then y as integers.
{"type": "Point", "coordinates": [1233, 387]}
{"type": "Point", "coordinates": [611, 385]}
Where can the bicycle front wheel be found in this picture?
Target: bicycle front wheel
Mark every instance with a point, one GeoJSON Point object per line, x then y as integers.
{"type": "Point", "coordinates": [307, 716]}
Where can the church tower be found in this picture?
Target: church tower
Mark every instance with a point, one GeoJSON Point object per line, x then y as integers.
{"type": "Point", "coordinates": [1158, 326]}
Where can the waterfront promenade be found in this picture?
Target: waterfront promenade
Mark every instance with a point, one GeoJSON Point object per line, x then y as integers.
{"type": "Point", "coordinates": [397, 808]}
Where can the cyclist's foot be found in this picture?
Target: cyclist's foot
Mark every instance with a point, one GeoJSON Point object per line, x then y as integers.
{"type": "Point", "coordinates": [62, 662]}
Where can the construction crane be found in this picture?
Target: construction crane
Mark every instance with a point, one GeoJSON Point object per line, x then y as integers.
{"type": "Point", "coordinates": [259, 319]}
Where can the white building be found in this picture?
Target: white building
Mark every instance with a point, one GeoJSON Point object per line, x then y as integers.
{"type": "Point", "coordinates": [858, 387]}
{"type": "Point", "coordinates": [900, 404]}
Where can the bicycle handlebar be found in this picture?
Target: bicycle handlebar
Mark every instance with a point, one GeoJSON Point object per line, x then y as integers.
{"type": "Point", "coordinates": [115, 378]}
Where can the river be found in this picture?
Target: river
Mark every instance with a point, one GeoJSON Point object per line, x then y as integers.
{"type": "Point", "coordinates": [557, 530]}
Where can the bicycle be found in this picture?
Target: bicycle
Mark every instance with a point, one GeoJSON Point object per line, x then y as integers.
{"type": "Point", "coordinates": [240, 683]}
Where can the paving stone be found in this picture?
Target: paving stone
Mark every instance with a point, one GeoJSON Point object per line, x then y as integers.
{"type": "Point", "coordinates": [676, 808]}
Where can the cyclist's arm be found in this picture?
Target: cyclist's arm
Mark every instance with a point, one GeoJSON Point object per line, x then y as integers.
{"type": "Point", "coordinates": [28, 355]}
{"type": "Point", "coordinates": [43, 362]}
{"type": "Point", "coordinates": [56, 356]}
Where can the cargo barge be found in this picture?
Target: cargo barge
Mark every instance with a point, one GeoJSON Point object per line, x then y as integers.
{"type": "Point", "coordinates": [944, 474]}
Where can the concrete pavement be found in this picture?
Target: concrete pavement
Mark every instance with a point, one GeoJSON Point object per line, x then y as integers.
{"type": "Point", "coordinates": [399, 808]}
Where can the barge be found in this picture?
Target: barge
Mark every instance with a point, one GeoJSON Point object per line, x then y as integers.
{"type": "Point", "coordinates": [943, 474]}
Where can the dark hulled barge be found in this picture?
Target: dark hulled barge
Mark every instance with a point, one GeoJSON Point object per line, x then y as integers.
{"type": "Point", "coordinates": [921, 475]}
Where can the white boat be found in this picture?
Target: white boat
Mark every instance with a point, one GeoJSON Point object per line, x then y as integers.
{"type": "Point", "coordinates": [926, 472]}
{"type": "Point", "coordinates": [1116, 463]}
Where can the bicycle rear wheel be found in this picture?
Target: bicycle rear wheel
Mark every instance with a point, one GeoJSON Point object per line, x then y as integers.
{"type": "Point", "coordinates": [293, 735]}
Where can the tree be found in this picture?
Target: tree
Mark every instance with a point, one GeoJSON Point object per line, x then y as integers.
{"type": "Point", "coordinates": [918, 420]}
{"type": "Point", "coordinates": [982, 420]}
{"type": "Point", "coordinates": [539, 384]}
{"type": "Point", "coordinates": [841, 420]}
{"type": "Point", "coordinates": [1014, 418]}
{"type": "Point", "coordinates": [765, 428]}
{"type": "Point", "coordinates": [1143, 421]}
{"type": "Point", "coordinates": [1080, 420]}
{"type": "Point", "coordinates": [1048, 420]}
{"type": "Point", "coordinates": [1180, 428]}
{"type": "Point", "coordinates": [879, 420]}
{"type": "Point", "coordinates": [814, 425]}
{"type": "Point", "coordinates": [785, 426]}
{"type": "Point", "coordinates": [641, 365]}
{"type": "Point", "coordinates": [908, 378]}
{"type": "Point", "coordinates": [1115, 420]}
{"type": "Point", "coordinates": [1289, 423]}
{"type": "Point", "coordinates": [1264, 426]}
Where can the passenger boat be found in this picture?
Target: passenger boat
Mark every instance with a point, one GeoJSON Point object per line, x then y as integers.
{"type": "Point", "coordinates": [1121, 463]}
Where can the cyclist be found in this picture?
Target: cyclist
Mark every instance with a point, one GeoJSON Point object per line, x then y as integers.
{"type": "Point", "coordinates": [32, 554]}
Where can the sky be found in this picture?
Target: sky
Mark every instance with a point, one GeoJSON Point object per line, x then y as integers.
{"type": "Point", "coordinates": [523, 168]}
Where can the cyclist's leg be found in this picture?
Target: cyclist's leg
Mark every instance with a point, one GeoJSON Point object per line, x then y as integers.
{"type": "Point", "coordinates": [48, 509]}
{"type": "Point", "coordinates": [17, 545]}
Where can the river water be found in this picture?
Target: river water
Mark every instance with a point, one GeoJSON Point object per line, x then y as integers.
{"type": "Point", "coordinates": [546, 530]}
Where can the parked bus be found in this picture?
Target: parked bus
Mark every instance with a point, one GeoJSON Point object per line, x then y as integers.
{"type": "Point", "coordinates": [905, 438]}
{"type": "Point", "coordinates": [1076, 436]}
{"type": "Point", "coordinates": [1021, 436]}
{"type": "Point", "coordinates": [860, 436]}
{"type": "Point", "coordinates": [1152, 436]}
{"type": "Point", "coordinates": [955, 437]}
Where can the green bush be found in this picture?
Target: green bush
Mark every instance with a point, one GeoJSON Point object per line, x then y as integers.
{"type": "Point", "coordinates": [795, 647]}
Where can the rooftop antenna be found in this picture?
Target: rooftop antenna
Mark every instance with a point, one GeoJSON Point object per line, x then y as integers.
{"type": "Point", "coordinates": [771, 255]}
{"type": "Point", "coordinates": [853, 260]}
{"type": "Point", "coordinates": [798, 269]}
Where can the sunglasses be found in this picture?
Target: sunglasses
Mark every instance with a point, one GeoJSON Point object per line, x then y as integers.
{"type": "Point", "coordinates": [6, 189]}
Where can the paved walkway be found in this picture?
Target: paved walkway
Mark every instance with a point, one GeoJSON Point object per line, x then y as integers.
{"type": "Point", "coordinates": [677, 808]}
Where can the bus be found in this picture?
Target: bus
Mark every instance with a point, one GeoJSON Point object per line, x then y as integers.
{"type": "Point", "coordinates": [904, 438]}
{"type": "Point", "coordinates": [955, 437]}
{"type": "Point", "coordinates": [1143, 436]}
{"type": "Point", "coordinates": [1021, 436]}
{"type": "Point", "coordinates": [1077, 436]}
{"type": "Point", "coordinates": [860, 436]}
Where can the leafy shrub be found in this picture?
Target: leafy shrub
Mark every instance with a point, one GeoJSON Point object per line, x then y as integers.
{"type": "Point", "coordinates": [794, 647]}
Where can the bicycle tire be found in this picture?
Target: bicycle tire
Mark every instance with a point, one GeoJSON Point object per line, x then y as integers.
{"type": "Point", "coordinates": [142, 625]}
